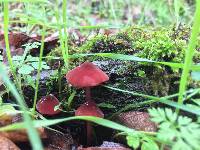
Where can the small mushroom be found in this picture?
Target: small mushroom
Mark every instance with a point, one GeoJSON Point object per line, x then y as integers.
{"type": "Point", "coordinates": [89, 108]}
{"type": "Point", "coordinates": [85, 76]}
{"type": "Point", "coordinates": [47, 104]}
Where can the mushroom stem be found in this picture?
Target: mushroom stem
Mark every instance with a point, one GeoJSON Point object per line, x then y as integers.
{"type": "Point", "coordinates": [89, 133]}
{"type": "Point", "coordinates": [88, 94]}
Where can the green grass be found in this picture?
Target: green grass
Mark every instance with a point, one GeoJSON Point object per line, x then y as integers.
{"type": "Point", "coordinates": [28, 124]}
{"type": "Point", "coordinates": [190, 53]}
{"type": "Point", "coordinates": [65, 39]}
{"type": "Point", "coordinates": [38, 72]}
{"type": "Point", "coordinates": [45, 123]}
{"type": "Point", "coordinates": [8, 53]}
{"type": "Point", "coordinates": [62, 33]}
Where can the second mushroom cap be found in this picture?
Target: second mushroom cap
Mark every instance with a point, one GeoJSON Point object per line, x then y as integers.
{"type": "Point", "coordinates": [89, 109]}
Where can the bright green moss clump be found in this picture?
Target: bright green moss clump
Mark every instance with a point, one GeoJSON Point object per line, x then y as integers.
{"type": "Point", "coordinates": [159, 44]}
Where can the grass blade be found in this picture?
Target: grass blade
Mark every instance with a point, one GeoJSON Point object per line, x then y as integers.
{"type": "Point", "coordinates": [6, 38]}
{"type": "Point", "coordinates": [38, 72]}
{"type": "Point", "coordinates": [28, 124]}
{"type": "Point", "coordinates": [163, 100]}
{"type": "Point", "coordinates": [123, 57]}
{"type": "Point", "coordinates": [45, 123]}
{"type": "Point", "coordinates": [189, 53]}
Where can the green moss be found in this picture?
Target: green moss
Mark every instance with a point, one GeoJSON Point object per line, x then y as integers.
{"type": "Point", "coordinates": [159, 44]}
{"type": "Point", "coordinates": [107, 44]}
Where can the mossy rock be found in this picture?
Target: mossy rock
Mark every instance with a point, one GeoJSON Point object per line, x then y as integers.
{"type": "Point", "coordinates": [159, 44]}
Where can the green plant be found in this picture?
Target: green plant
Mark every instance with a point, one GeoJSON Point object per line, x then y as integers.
{"type": "Point", "coordinates": [38, 71]}
{"type": "Point", "coordinates": [178, 132]}
{"type": "Point", "coordinates": [188, 61]}
{"type": "Point", "coordinates": [139, 139]}
{"type": "Point", "coordinates": [8, 53]}
{"type": "Point", "coordinates": [27, 64]}
{"type": "Point", "coordinates": [159, 45]}
{"type": "Point", "coordinates": [33, 135]}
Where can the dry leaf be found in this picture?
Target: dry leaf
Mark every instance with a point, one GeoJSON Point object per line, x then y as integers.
{"type": "Point", "coordinates": [102, 148]}
{"type": "Point", "coordinates": [6, 144]}
{"type": "Point", "coordinates": [137, 120]}
{"type": "Point", "coordinates": [21, 135]}
{"type": "Point", "coordinates": [106, 146]}
{"type": "Point", "coordinates": [58, 141]}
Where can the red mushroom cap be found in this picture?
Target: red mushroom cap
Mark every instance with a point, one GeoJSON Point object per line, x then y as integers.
{"type": "Point", "coordinates": [86, 75]}
{"type": "Point", "coordinates": [89, 108]}
{"type": "Point", "coordinates": [46, 105]}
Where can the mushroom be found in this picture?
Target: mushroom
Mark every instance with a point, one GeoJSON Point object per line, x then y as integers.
{"type": "Point", "coordinates": [89, 108]}
{"type": "Point", "coordinates": [85, 76]}
{"type": "Point", "coordinates": [47, 104]}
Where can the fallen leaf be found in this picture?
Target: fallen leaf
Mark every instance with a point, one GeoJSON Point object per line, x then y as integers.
{"type": "Point", "coordinates": [6, 144]}
{"type": "Point", "coordinates": [58, 141]}
{"type": "Point", "coordinates": [21, 135]}
{"type": "Point", "coordinates": [5, 120]}
{"type": "Point", "coordinates": [137, 120]}
{"type": "Point", "coordinates": [102, 148]}
{"type": "Point", "coordinates": [17, 40]}
{"type": "Point", "coordinates": [7, 113]}
{"type": "Point", "coordinates": [106, 146]}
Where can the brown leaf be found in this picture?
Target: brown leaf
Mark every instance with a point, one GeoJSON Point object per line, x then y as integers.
{"type": "Point", "coordinates": [21, 135]}
{"type": "Point", "coordinates": [5, 120]}
{"type": "Point", "coordinates": [50, 42]}
{"type": "Point", "coordinates": [106, 146]}
{"type": "Point", "coordinates": [58, 141]}
{"type": "Point", "coordinates": [6, 144]}
{"type": "Point", "coordinates": [17, 135]}
{"type": "Point", "coordinates": [1, 35]}
{"type": "Point", "coordinates": [16, 40]}
{"type": "Point", "coordinates": [101, 148]}
{"type": "Point", "coordinates": [137, 120]}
